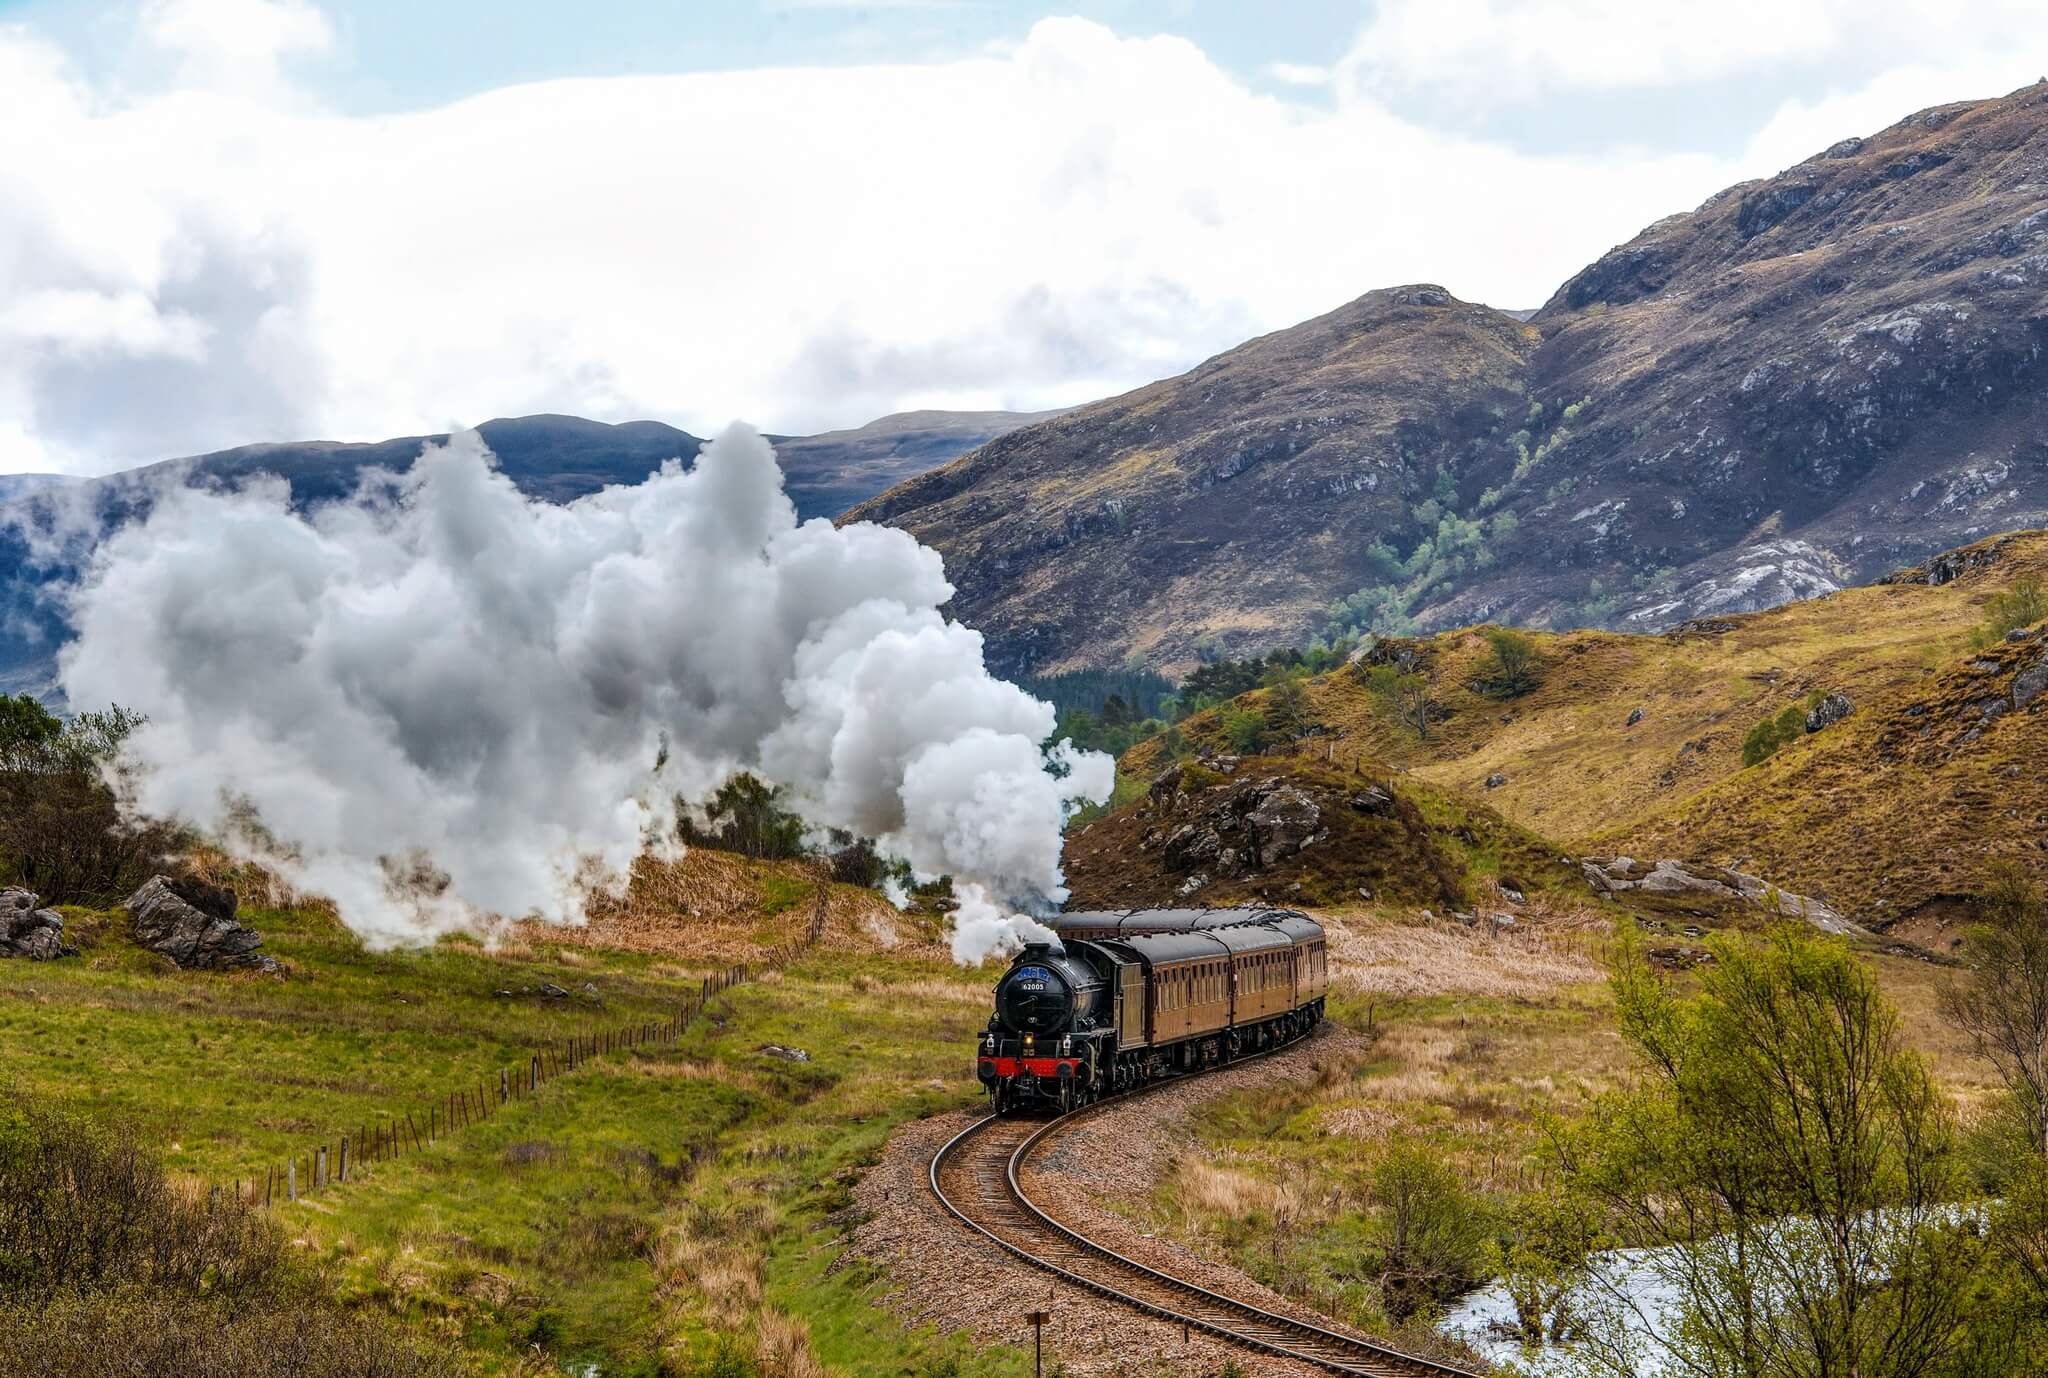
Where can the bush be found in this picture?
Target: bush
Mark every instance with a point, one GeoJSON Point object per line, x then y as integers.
{"type": "Point", "coordinates": [62, 833]}
{"type": "Point", "coordinates": [1430, 1229]}
{"type": "Point", "coordinates": [1514, 669]}
{"type": "Point", "coordinates": [1245, 729]}
{"type": "Point", "coordinates": [2022, 605]}
{"type": "Point", "coordinates": [1788, 726]}
{"type": "Point", "coordinates": [746, 816]}
{"type": "Point", "coordinates": [107, 1268]}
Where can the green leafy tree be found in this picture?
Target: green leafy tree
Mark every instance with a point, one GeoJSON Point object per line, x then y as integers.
{"type": "Point", "coordinates": [2002, 1004]}
{"type": "Point", "coordinates": [1431, 1232]}
{"type": "Point", "coordinates": [1542, 1255]}
{"type": "Point", "coordinates": [27, 732]}
{"type": "Point", "coordinates": [746, 816]}
{"type": "Point", "coordinates": [1794, 1165]}
{"type": "Point", "coordinates": [1246, 730]}
{"type": "Point", "coordinates": [1515, 668]}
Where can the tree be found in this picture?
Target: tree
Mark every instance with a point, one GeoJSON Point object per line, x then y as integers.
{"type": "Point", "coordinates": [1410, 697]}
{"type": "Point", "coordinates": [62, 831]}
{"type": "Point", "coordinates": [1795, 1164]}
{"type": "Point", "coordinates": [27, 731]}
{"type": "Point", "coordinates": [2022, 605]}
{"type": "Point", "coordinates": [2003, 1003]}
{"type": "Point", "coordinates": [1245, 729]}
{"type": "Point", "coordinates": [746, 816]}
{"type": "Point", "coordinates": [1287, 711]}
{"type": "Point", "coordinates": [1514, 661]}
{"type": "Point", "coordinates": [1430, 1231]}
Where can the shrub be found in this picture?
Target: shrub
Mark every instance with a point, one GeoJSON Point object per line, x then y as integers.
{"type": "Point", "coordinates": [1788, 726]}
{"type": "Point", "coordinates": [2022, 605]}
{"type": "Point", "coordinates": [1431, 1231]}
{"type": "Point", "coordinates": [109, 1268]}
{"type": "Point", "coordinates": [1514, 669]}
{"type": "Point", "coordinates": [1245, 729]}
{"type": "Point", "coordinates": [62, 832]}
{"type": "Point", "coordinates": [746, 816]}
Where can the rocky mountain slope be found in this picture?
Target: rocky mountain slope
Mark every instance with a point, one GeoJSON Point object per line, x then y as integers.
{"type": "Point", "coordinates": [1795, 387]}
{"type": "Point", "coordinates": [48, 524]}
{"type": "Point", "coordinates": [1922, 772]}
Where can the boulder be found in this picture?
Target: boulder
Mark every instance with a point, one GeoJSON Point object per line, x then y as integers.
{"type": "Point", "coordinates": [193, 924]}
{"type": "Point", "coordinates": [2030, 684]}
{"type": "Point", "coordinates": [1496, 780]}
{"type": "Point", "coordinates": [1284, 821]}
{"type": "Point", "coordinates": [1828, 712]}
{"type": "Point", "coordinates": [1635, 715]}
{"type": "Point", "coordinates": [1190, 845]}
{"type": "Point", "coordinates": [1373, 800]}
{"type": "Point", "coordinates": [1668, 877]}
{"type": "Point", "coordinates": [26, 931]}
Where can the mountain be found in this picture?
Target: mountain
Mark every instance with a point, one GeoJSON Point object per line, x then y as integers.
{"type": "Point", "coordinates": [1800, 384]}
{"type": "Point", "coordinates": [834, 470]}
{"type": "Point", "coordinates": [49, 523]}
{"type": "Point", "coordinates": [1925, 771]}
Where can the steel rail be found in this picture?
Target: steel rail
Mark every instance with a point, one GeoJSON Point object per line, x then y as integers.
{"type": "Point", "coordinates": [1351, 1355]}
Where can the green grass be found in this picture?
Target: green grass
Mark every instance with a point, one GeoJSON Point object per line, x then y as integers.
{"type": "Point", "coordinates": [576, 1218]}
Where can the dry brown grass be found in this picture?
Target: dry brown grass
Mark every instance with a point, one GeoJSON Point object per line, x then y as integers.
{"type": "Point", "coordinates": [708, 906]}
{"type": "Point", "coordinates": [785, 1348]}
{"type": "Point", "coordinates": [1538, 955]}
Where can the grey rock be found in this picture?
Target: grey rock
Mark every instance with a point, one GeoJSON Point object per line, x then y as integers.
{"type": "Point", "coordinates": [26, 931]}
{"type": "Point", "coordinates": [1190, 845]}
{"type": "Point", "coordinates": [787, 1054]}
{"type": "Point", "coordinates": [1285, 821]}
{"type": "Point", "coordinates": [1373, 800]}
{"type": "Point", "coordinates": [2030, 684]}
{"type": "Point", "coordinates": [1668, 877]}
{"type": "Point", "coordinates": [1829, 711]}
{"type": "Point", "coordinates": [193, 924]}
{"type": "Point", "coordinates": [1496, 780]}
{"type": "Point", "coordinates": [1635, 715]}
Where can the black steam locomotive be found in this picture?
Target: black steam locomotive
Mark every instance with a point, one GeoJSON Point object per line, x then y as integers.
{"type": "Point", "coordinates": [1122, 998]}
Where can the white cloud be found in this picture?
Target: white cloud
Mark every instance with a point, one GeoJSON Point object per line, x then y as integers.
{"type": "Point", "coordinates": [1065, 217]}
{"type": "Point", "coordinates": [235, 43]}
{"type": "Point", "coordinates": [1485, 54]}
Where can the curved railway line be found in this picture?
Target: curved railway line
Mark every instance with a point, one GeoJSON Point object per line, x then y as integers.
{"type": "Point", "coordinates": [978, 1177]}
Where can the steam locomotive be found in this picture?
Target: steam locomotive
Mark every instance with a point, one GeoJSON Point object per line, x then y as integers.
{"type": "Point", "coordinates": [1122, 998]}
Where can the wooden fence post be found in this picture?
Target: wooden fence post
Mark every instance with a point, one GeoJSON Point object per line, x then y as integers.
{"type": "Point", "coordinates": [320, 1167]}
{"type": "Point", "coordinates": [341, 1167]}
{"type": "Point", "coordinates": [291, 1179]}
{"type": "Point", "coordinates": [504, 1090]}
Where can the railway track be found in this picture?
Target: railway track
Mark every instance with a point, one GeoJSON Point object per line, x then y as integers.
{"type": "Point", "coordinates": [977, 1176]}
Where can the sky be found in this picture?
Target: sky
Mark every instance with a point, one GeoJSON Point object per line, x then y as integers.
{"type": "Point", "coordinates": [228, 221]}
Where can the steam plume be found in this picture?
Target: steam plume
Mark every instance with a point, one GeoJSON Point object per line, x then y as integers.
{"type": "Point", "coordinates": [443, 701]}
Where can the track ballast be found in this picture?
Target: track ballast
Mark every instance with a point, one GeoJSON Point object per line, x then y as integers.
{"type": "Point", "coordinates": [977, 1177]}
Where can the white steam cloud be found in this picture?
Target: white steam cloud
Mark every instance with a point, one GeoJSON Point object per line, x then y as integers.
{"type": "Point", "coordinates": [444, 701]}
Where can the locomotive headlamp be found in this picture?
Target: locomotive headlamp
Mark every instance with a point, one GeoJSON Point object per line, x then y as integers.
{"type": "Point", "coordinates": [1029, 1039]}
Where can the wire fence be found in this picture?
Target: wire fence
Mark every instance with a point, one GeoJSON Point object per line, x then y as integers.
{"type": "Point", "coordinates": [337, 1159]}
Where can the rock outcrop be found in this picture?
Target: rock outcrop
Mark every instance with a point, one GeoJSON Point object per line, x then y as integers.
{"type": "Point", "coordinates": [193, 923]}
{"type": "Point", "coordinates": [27, 931]}
{"type": "Point", "coordinates": [1624, 875]}
{"type": "Point", "coordinates": [1829, 711]}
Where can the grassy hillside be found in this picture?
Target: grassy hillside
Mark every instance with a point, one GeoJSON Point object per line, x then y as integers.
{"type": "Point", "coordinates": [666, 1206]}
{"type": "Point", "coordinates": [1906, 801]}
